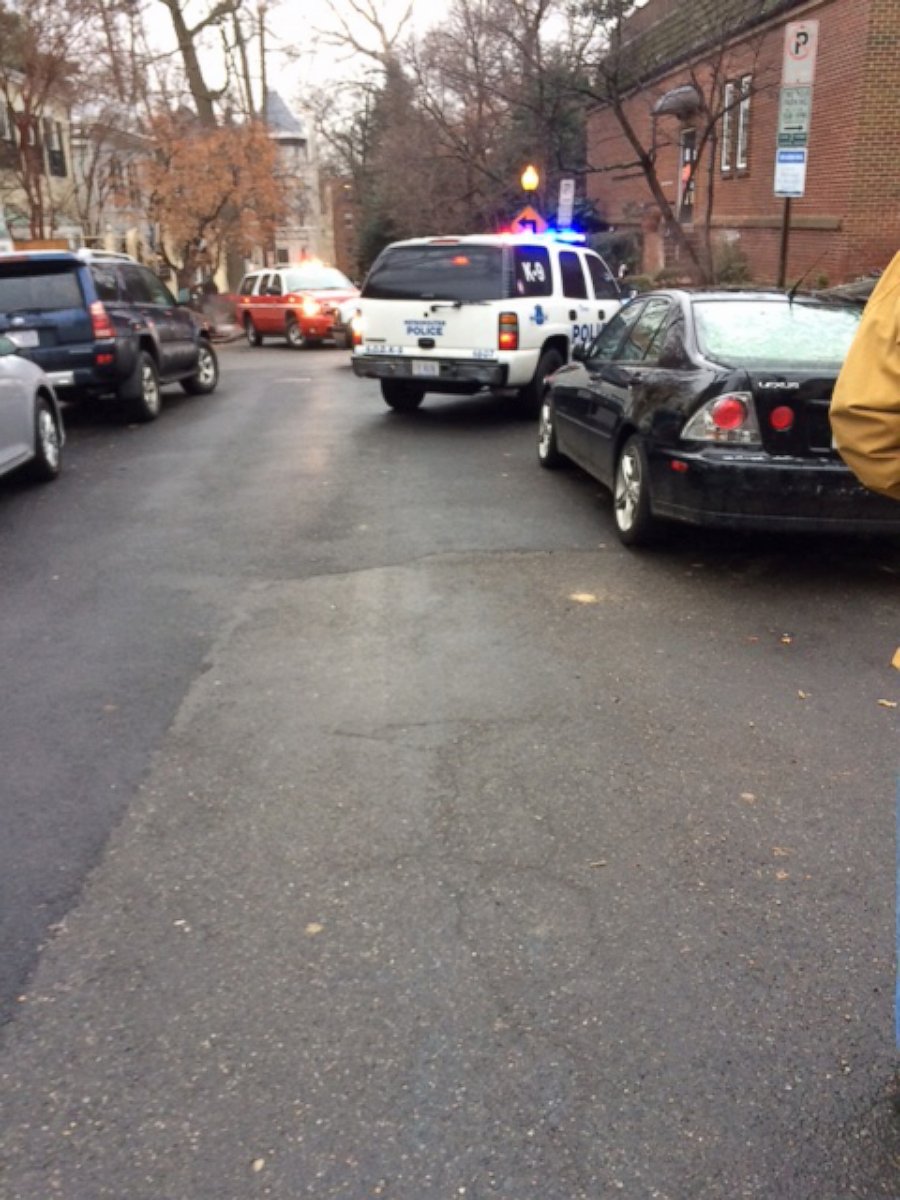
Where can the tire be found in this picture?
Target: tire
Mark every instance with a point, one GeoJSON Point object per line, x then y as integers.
{"type": "Point", "coordinates": [401, 395]}
{"type": "Point", "coordinates": [207, 375]}
{"type": "Point", "coordinates": [531, 397]}
{"type": "Point", "coordinates": [635, 523]}
{"type": "Point", "coordinates": [294, 334]}
{"type": "Point", "coordinates": [548, 452]}
{"type": "Point", "coordinates": [45, 465]}
{"type": "Point", "coordinates": [140, 392]}
{"type": "Point", "coordinates": [254, 338]}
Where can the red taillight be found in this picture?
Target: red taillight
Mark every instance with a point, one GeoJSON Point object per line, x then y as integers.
{"type": "Point", "coordinates": [729, 412]}
{"type": "Point", "coordinates": [508, 332]}
{"type": "Point", "coordinates": [782, 418]}
{"type": "Point", "coordinates": [100, 321]}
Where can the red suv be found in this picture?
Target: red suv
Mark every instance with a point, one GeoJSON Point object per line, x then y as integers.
{"type": "Point", "coordinates": [296, 303]}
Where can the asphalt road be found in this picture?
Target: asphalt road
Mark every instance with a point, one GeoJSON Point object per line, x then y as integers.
{"type": "Point", "coordinates": [374, 825]}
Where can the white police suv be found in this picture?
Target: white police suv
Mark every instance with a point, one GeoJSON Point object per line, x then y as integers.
{"type": "Point", "coordinates": [486, 311]}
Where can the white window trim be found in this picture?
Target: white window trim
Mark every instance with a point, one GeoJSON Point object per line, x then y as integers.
{"type": "Point", "coordinates": [727, 125]}
{"type": "Point", "coordinates": [743, 129]}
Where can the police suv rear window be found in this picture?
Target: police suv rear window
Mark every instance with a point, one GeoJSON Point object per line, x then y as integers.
{"type": "Point", "coordinates": [40, 287]}
{"type": "Point", "coordinates": [447, 271]}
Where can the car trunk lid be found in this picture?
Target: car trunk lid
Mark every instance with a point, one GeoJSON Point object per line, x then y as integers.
{"type": "Point", "coordinates": [43, 310]}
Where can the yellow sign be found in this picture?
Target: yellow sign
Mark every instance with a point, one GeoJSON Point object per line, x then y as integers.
{"type": "Point", "coordinates": [529, 220]}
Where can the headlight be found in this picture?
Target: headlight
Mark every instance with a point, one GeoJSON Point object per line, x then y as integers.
{"type": "Point", "coordinates": [310, 307]}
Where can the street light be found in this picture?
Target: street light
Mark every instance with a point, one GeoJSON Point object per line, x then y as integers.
{"type": "Point", "coordinates": [530, 179]}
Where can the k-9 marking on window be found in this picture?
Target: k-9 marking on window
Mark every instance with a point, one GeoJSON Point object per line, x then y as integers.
{"type": "Point", "coordinates": [532, 271]}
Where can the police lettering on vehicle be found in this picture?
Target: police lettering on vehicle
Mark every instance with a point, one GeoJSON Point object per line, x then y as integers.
{"type": "Point", "coordinates": [587, 332]}
{"type": "Point", "coordinates": [424, 328]}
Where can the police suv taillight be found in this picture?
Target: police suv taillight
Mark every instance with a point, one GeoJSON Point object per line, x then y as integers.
{"type": "Point", "coordinates": [508, 331]}
{"type": "Point", "coordinates": [728, 420]}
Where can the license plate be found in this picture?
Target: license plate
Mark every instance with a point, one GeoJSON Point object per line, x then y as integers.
{"type": "Point", "coordinates": [23, 337]}
{"type": "Point", "coordinates": [431, 369]}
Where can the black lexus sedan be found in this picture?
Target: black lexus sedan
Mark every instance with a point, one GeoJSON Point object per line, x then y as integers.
{"type": "Point", "coordinates": [711, 408]}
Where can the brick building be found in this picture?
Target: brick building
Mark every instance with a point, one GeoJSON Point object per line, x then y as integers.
{"type": "Point", "coordinates": [728, 54]}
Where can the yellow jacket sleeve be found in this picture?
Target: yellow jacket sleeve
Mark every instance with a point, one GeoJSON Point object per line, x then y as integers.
{"type": "Point", "coordinates": [865, 408]}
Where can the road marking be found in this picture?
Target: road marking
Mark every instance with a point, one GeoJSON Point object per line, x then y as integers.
{"type": "Point", "coordinates": [294, 379]}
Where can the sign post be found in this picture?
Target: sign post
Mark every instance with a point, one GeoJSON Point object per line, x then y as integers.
{"type": "Point", "coordinates": [798, 70]}
{"type": "Point", "coordinates": [566, 207]}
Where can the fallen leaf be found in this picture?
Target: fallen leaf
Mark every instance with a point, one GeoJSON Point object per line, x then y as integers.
{"type": "Point", "coordinates": [895, 661]}
{"type": "Point", "coordinates": [748, 797]}
{"type": "Point", "coordinates": [888, 703]}
{"type": "Point", "coordinates": [786, 639]}
{"type": "Point", "coordinates": [782, 875]}
{"type": "Point", "coordinates": [583, 597]}
{"type": "Point", "coordinates": [258, 1164]}
{"type": "Point", "coordinates": [601, 862]}
{"type": "Point", "coordinates": [803, 695]}
{"type": "Point", "coordinates": [781, 852]}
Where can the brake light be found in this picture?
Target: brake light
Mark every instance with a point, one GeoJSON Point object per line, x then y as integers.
{"type": "Point", "coordinates": [782, 418]}
{"type": "Point", "coordinates": [728, 413]}
{"type": "Point", "coordinates": [730, 419]}
{"type": "Point", "coordinates": [508, 331]}
{"type": "Point", "coordinates": [356, 329]}
{"type": "Point", "coordinates": [100, 322]}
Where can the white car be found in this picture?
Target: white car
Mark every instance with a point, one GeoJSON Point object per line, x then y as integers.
{"type": "Point", "coordinates": [31, 426]}
{"type": "Point", "coordinates": [459, 315]}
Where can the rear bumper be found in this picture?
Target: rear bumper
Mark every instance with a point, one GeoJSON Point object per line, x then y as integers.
{"type": "Point", "coordinates": [460, 375]}
{"type": "Point", "coordinates": [734, 489]}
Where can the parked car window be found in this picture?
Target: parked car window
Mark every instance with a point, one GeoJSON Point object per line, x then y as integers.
{"type": "Point", "coordinates": [159, 293]}
{"type": "Point", "coordinates": [247, 285]}
{"type": "Point", "coordinates": [605, 287]}
{"type": "Point", "coordinates": [607, 341]}
{"type": "Point", "coordinates": [106, 281]}
{"type": "Point", "coordinates": [774, 333]}
{"type": "Point", "coordinates": [531, 265]}
{"type": "Point", "coordinates": [645, 333]}
{"type": "Point", "coordinates": [135, 285]}
{"type": "Point", "coordinates": [275, 287]}
{"type": "Point", "coordinates": [316, 278]}
{"type": "Point", "coordinates": [444, 271]}
{"type": "Point", "coordinates": [38, 286]}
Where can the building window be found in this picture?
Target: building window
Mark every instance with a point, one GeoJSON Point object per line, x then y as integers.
{"type": "Point", "coordinates": [686, 175]}
{"type": "Point", "coordinates": [56, 160]}
{"type": "Point", "coordinates": [727, 125]}
{"type": "Point", "coordinates": [282, 255]}
{"type": "Point", "coordinates": [743, 125]}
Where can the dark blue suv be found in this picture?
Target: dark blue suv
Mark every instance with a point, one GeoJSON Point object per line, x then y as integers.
{"type": "Point", "coordinates": [103, 325]}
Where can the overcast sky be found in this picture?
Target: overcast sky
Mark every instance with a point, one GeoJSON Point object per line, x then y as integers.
{"type": "Point", "coordinates": [295, 23]}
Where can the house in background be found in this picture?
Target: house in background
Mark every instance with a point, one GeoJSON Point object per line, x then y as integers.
{"type": "Point", "coordinates": [106, 164]}
{"type": "Point", "coordinates": [36, 158]}
{"type": "Point", "coordinates": [848, 221]}
{"type": "Point", "coordinates": [304, 233]}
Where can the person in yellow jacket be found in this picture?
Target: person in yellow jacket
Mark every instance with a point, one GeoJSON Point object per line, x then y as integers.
{"type": "Point", "coordinates": [865, 407]}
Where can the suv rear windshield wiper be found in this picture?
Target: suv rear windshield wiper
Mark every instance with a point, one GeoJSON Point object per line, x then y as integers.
{"type": "Point", "coordinates": [453, 303]}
